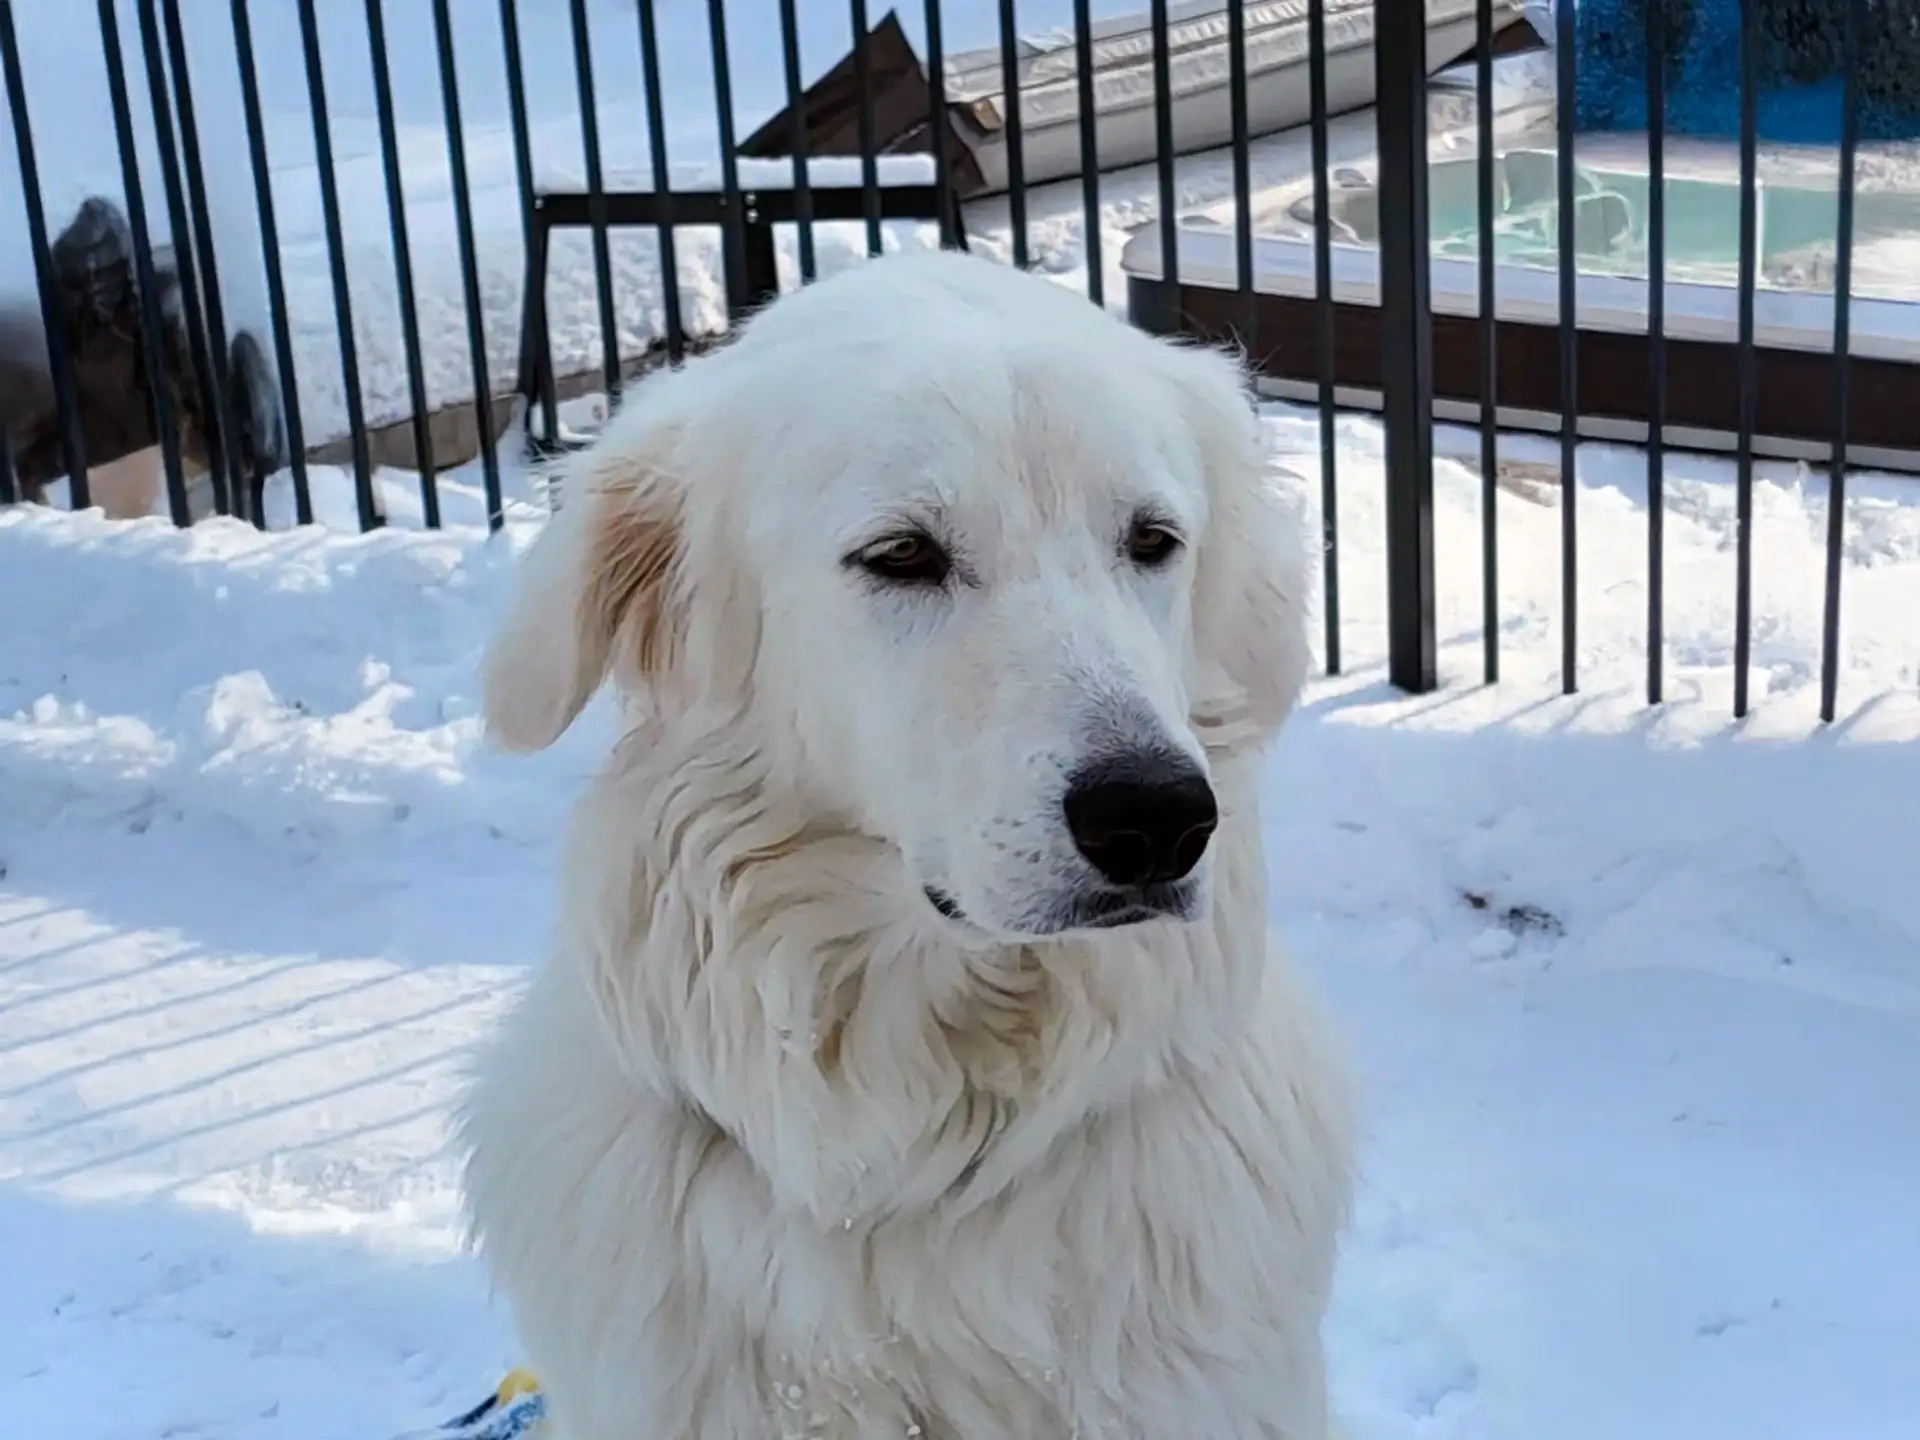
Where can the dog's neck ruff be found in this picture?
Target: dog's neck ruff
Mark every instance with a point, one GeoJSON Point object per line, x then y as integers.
{"type": "Point", "coordinates": [778, 974]}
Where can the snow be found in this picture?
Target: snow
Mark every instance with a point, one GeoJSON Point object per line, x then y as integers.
{"type": "Point", "coordinates": [1635, 993]}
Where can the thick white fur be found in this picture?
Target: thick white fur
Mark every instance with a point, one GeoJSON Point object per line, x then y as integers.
{"type": "Point", "coordinates": [773, 1149]}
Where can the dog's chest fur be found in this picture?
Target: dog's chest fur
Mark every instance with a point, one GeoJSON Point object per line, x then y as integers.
{"type": "Point", "coordinates": [1150, 1277]}
{"type": "Point", "coordinates": [778, 1173]}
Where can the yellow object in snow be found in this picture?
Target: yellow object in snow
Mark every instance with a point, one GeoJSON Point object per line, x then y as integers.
{"type": "Point", "coordinates": [517, 1383]}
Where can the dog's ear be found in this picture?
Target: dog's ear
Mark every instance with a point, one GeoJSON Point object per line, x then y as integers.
{"type": "Point", "coordinates": [598, 592]}
{"type": "Point", "coordinates": [1252, 574]}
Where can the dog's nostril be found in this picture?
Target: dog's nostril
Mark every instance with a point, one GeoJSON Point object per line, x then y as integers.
{"type": "Point", "coordinates": [1141, 819]}
{"type": "Point", "coordinates": [1191, 846]}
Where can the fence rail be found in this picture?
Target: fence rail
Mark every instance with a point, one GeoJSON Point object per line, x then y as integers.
{"type": "Point", "coordinates": [248, 345]}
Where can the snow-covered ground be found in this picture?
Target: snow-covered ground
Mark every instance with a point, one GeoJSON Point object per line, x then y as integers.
{"type": "Point", "coordinates": [1636, 993]}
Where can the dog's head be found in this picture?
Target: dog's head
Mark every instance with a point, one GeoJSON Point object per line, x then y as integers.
{"type": "Point", "coordinates": [990, 576]}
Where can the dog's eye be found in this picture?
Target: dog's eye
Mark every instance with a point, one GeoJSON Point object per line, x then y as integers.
{"type": "Point", "coordinates": [1151, 544]}
{"type": "Point", "coordinates": [913, 558]}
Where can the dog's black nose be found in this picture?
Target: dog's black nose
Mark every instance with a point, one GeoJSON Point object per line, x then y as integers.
{"type": "Point", "coordinates": [1141, 819]}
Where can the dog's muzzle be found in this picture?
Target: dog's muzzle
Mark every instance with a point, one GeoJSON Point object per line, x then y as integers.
{"type": "Point", "coordinates": [1142, 819]}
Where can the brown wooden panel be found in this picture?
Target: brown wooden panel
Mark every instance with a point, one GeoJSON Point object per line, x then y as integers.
{"type": "Point", "coordinates": [1796, 386]}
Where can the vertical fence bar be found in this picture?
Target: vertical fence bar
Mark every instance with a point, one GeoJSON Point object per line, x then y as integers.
{"type": "Point", "coordinates": [1842, 362]}
{"type": "Point", "coordinates": [1089, 148]}
{"type": "Point", "coordinates": [869, 165]}
{"type": "Point", "coordinates": [369, 512]}
{"type": "Point", "coordinates": [1323, 331]}
{"type": "Point", "coordinates": [733, 236]}
{"type": "Point", "coordinates": [469, 264]}
{"type": "Point", "coordinates": [1016, 150]}
{"type": "Point", "coordinates": [517, 117]}
{"type": "Point", "coordinates": [270, 256]}
{"type": "Point", "coordinates": [226, 458]}
{"type": "Point", "coordinates": [1242, 172]}
{"type": "Point", "coordinates": [1406, 342]}
{"type": "Point", "coordinates": [1565, 77]}
{"type": "Point", "coordinates": [403, 265]}
{"type": "Point", "coordinates": [937, 132]}
{"type": "Point", "coordinates": [1163, 145]}
{"type": "Point", "coordinates": [539, 337]}
{"type": "Point", "coordinates": [1744, 360]}
{"type": "Point", "coordinates": [152, 321]}
{"type": "Point", "coordinates": [73, 452]}
{"type": "Point", "coordinates": [658, 162]}
{"type": "Point", "coordinates": [523, 179]}
{"type": "Point", "coordinates": [193, 317]}
{"type": "Point", "coordinates": [802, 179]}
{"type": "Point", "coordinates": [1656, 42]}
{"type": "Point", "coordinates": [597, 197]}
{"type": "Point", "coordinates": [1489, 177]}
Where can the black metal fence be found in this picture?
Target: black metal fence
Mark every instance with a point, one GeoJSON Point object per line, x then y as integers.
{"type": "Point", "coordinates": [227, 399]}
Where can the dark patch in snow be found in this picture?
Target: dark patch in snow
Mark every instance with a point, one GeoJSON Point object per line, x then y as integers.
{"type": "Point", "coordinates": [1521, 919]}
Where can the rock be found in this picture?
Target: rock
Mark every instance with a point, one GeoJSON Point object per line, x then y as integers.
{"type": "Point", "coordinates": [96, 304]}
{"type": "Point", "coordinates": [253, 406]}
{"type": "Point", "coordinates": [26, 390]}
{"type": "Point", "coordinates": [93, 271]}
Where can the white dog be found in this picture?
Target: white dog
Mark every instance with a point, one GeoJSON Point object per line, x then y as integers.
{"type": "Point", "coordinates": [912, 1062]}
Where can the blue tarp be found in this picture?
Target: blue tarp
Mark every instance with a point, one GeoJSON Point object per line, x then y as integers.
{"type": "Point", "coordinates": [1703, 81]}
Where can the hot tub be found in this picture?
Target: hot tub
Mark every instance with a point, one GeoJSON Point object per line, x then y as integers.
{"type": "Point", "coordinates": [1793, 303]}
{"type": "Point", "coordinates": [1796, 223]}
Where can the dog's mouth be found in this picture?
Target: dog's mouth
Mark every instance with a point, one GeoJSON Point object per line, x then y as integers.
{"type": "Point", "coordinates": [945, 904]}
{"type": "Point", "coordinates": [1108, 909]}
{"type": "Point", "coordinates": [1131, 905]}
